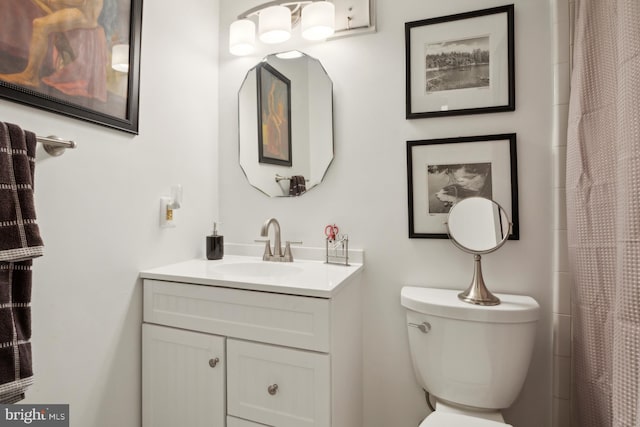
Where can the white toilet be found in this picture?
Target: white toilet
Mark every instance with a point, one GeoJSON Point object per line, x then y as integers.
{"type": "Point", "coordinates": [472, 359]}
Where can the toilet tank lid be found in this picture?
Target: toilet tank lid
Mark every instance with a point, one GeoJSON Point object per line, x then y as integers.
{"type": "Point", "coordinates": [445, 303]}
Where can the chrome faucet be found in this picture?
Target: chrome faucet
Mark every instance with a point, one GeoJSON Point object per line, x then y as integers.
{"type": "Point", "coordinates": [277, 247]}
{"type": "Point", "coordinates": [277, 254]}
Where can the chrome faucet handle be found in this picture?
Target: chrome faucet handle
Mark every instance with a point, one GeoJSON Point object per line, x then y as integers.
{"type": "Point", "coordinates": [288, 256]}
{"type": "Point", "coordinates": [267, 249]}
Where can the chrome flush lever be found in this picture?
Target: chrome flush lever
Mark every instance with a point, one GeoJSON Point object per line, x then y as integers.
{"type": "Point", "coordinates": [425, 327]}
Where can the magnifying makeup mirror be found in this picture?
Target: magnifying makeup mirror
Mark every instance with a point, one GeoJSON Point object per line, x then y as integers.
{"type": "Point", "coordinates": [478, 226]}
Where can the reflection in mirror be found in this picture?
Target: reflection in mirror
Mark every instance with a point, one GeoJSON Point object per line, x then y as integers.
{"type": "Point", "coordinates": [479, 226]}
{"type": "Point", "coordinates": [311, 135]}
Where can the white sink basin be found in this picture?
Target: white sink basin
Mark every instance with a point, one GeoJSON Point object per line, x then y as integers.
{"type": "Point", "coordinates": [300, 277]}
{"type": "Point", "coordinates": [257, 269]}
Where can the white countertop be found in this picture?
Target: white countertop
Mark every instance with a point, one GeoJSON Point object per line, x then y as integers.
{"type": "Point", "coordinates": [301, 277]}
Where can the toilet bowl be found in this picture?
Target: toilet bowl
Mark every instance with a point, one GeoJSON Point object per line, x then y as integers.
{"type": "Point", "coordinates": [443, 419]}
{"type": "Point", "coordinates": [450, 416]}
{"type": "Point", "coordinates": [472, 359]}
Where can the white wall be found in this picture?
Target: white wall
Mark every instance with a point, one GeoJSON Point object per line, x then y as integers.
{"type": "Point", "coordinates": [98, 209]}
{"type": "Point", "coordinates": [365, 192]}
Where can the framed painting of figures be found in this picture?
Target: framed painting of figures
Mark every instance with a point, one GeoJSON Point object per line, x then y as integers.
{"type": "Point", "coordinates": [81, 60]}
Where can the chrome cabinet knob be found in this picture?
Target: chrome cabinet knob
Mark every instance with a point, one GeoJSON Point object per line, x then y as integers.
{"type": "Point", "coordinates": [272, 389]}
{"type": "Point", "coordinates": [214, 362]}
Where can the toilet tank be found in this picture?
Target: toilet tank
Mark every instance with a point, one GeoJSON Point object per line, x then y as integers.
{"type": "Point", "coordinates": [470, 354]}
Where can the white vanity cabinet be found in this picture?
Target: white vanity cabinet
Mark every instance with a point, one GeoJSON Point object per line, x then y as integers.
{"type": "Point", "coordinates": [215, 355]}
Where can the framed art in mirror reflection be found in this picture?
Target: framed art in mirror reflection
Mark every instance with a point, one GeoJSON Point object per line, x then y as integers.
{"type": "Point", "coordinates": [274, 116]}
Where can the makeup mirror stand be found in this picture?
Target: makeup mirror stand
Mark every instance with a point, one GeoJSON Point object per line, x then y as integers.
{"type": "Point", "coordinates": [478, 226]}
{"type": "Point", "coordinates": [477, 292]}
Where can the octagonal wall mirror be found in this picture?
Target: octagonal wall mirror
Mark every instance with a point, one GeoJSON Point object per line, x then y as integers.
{"type": "Point", "coordinates": [285, 113]}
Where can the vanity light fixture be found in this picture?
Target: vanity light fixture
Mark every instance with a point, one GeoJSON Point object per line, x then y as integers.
{"type": "Point", "coordinates": [120, 58]}
{"type": "Point", "coordinates": [275, 21]}
{"type": "Point", "coordinates": [318, 20]}
{"type": "Point", "coordinates": [242, 37]}
{"type": "Point", "coordinates": [274, 24]}
{"type": "Point", "coordinates": [290, 54]}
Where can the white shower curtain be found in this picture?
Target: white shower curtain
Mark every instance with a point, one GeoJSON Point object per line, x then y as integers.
{"type": "Point", "coordinates": [603, 206]}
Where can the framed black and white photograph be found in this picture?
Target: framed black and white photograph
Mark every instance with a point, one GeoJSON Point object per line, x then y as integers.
{"type": "Point", "coordinates": [460, 64]}
{"type": "Point", "coordinates": [441, 172]}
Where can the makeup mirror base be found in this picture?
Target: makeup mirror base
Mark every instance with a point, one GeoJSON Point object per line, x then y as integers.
{"type": "Point", "coordinates": [477, 293]}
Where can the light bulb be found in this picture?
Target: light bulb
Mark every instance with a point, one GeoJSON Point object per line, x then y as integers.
{"type": "Point", "coordinates": [120, 58]}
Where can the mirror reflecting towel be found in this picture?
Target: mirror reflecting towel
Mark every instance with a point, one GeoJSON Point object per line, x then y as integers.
{"type": "Point", "coordinates": [297, 185]}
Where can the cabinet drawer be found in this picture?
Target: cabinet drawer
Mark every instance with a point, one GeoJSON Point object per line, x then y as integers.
{"type": "Point", "coordinates": [278, 386]}
{"type": "Point", "coordinates": [290, 320]}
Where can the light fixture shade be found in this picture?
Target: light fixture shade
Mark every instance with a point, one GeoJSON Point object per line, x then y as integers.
{"type": "Point", "coordinates": [274, 24]}
{"type": "Point", "coordinates": [318, 20]}
{"type": "Point", "coordinates": [242, 37]}
{"type": "Point", "coordinates": [120, 58]}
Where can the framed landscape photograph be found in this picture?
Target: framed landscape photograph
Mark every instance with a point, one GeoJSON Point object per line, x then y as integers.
{"type": "Point", "coordinates": [460, 64]}
{"type": "Point", "coordinates": [81, 60]}
{"type": "Point", "coordinates": [274, 116]}
{"type": "Point", "coordinates": [441, 172]}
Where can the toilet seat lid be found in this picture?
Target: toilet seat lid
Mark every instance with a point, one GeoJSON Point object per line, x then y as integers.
{"type": "Point", "coordinates": [447, 419]}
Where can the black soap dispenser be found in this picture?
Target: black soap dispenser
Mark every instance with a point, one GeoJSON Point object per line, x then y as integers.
{"type": "Point", "coordinates": [215, 244]}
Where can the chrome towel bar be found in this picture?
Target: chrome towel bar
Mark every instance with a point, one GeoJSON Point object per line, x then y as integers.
{"type": "Point", "coordinates": [54, 145]}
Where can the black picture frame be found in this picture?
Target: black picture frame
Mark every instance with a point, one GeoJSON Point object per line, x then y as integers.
{"type": "Point", "coordinates": [274, 116]}
{"type": "Point", "coordinates": [466, 166]}
{"type": "Point", "coordinates": [76, 78]}
{"type": "Point", "coordinates": [461, 64]}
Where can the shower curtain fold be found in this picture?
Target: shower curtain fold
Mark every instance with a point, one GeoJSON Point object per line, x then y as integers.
{"type": "Point", "coordinates": [603, 207]}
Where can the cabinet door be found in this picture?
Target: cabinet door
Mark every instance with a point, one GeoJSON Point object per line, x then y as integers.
{"type": "Point", "coordinates": [183, 378]}
{"type": "Point", "coordinates": [278, 386]}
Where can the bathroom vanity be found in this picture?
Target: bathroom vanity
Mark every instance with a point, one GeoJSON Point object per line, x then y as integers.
{"type": "Point", "coordinates": [241, 342]}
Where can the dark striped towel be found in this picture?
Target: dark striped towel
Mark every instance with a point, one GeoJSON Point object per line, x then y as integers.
{"type": "Point", "coordinates": [20, 242]}
{"type": "Point", "coordinates": [297, 185]}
